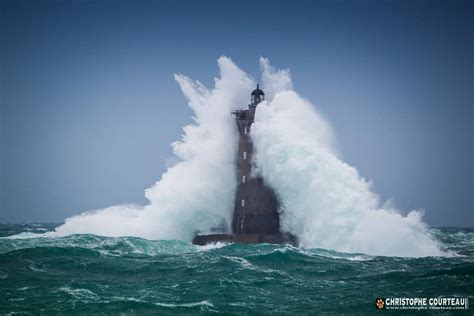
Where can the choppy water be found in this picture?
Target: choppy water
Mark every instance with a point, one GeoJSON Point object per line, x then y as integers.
{"type": "Point", "coordinates": [87, 274]}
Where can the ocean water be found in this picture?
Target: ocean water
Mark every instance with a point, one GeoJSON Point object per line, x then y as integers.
{"type": "Point", "coordinates": [88, 274]}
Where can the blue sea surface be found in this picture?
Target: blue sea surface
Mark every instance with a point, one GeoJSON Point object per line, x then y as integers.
{"type": "Point", "coordinates": [88, 274]}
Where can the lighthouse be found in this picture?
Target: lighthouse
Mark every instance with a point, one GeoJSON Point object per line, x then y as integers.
{"type": "Point", "coordinates": [256, 206]}
{"type": "Point", "coordinates": [255, 218]}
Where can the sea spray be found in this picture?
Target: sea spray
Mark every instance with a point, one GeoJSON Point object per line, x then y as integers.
{"type": "Point", "coordinates": [323, 200]}
{"type": "Point", "coordinates": [197, 193]}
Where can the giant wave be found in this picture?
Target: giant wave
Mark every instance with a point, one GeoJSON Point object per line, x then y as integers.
{"type": "Point", "coordinates": [324, 201]}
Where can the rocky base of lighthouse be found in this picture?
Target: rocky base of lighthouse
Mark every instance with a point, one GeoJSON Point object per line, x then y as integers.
{"type": "Point", "coordinates": [246, 239]}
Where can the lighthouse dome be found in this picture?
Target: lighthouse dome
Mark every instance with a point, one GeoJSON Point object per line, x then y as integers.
{"type": "Point", "coordinates": [257, 91]}
{"type": "Point", "coordinates": [257, 96]}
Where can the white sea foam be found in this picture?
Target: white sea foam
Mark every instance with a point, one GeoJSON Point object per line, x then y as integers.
{"type": "Point", "coordinates": [194, 304]}
{"type": "Point", "coordinates": [197, 193]}
{"type": "Point", "coordinates": [212, 245]}
{"type": "Point", "coordinates": [26, 235]}
{"type": "Point", "coordinates": [325, 202]}
{"type": "Point", "coordinates": [37, 269]}
{"type": "Point", "coordinates": [81, 294]}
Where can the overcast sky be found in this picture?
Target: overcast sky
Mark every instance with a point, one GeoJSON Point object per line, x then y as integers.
{"type": "Point", "coordinates": [89, 105]}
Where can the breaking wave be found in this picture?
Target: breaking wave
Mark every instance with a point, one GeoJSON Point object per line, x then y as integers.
{"type": "Point", "coordinates": [324, 201]}
{"type": "Point", "coordinates": [197, 193]}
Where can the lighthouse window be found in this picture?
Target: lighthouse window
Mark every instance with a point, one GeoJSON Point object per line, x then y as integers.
{"type": "Point", "coordinates": [243, 179]}
{"type": "Point", "coordinates": [245, 129]}
{"type": "Point", "coordinates": [245, 155]}
{"type": "Point", "coordinates": [243, 203]}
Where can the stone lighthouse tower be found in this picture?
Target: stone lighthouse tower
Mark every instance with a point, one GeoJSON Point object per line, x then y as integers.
{"type": "Point", "coordinates": [256, 218]}
{"type": "Point", "coordinates": [256, 207]}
